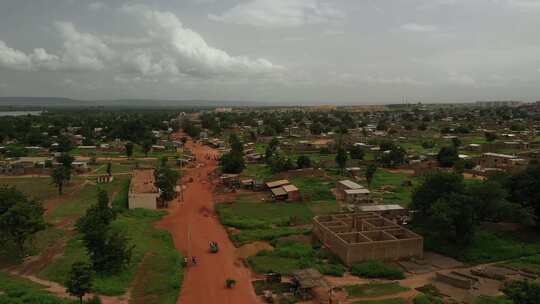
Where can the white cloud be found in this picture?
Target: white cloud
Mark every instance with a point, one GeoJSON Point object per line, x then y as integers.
{"type": "Point", "coordinates": [81, 52]}
{"type": "Point", "coordinates": [180, 50]}
{"type": "Point", "coordinates": [13, 59]}
{"type": "Point", "coordinates": [97, 6]}
{"type": "Point", "coordinates": [418, 28]}
{"type": "Point", "coordinates": [279, 13]}
{"type": "Point", "coordinates": [524, 3]}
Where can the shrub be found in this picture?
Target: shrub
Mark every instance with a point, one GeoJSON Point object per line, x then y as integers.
{"type": "Point", "coordinates": [336, 270]}
{"type": "Point", "coordinates": [376, 269]}
{"type": "Point", "coordinates": [421, 299]}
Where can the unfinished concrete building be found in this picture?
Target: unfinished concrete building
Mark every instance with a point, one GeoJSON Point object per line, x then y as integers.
{"type": "Point", "coordinates": [357, 237]}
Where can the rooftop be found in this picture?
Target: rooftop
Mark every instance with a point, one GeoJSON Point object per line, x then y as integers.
{"type": "Point", "coordinates": [350, 184]}
{"type": "Point", "coordinates": [143, 181]}
{"type": "Point", "coordinates": [277, 183]}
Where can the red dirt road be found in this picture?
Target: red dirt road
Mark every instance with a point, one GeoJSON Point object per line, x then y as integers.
{"type": "Point", "coordinates": [193, 225]}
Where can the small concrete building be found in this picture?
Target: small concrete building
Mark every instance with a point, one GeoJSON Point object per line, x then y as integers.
{"type": "Point", "coordinates": [293, 194]}
{"type": "Point", "coordinates": [352, 192]}
{"type": "Point", "coordinates": [142, 191]}
{"type": "Point", "coordinates": [278, 183]}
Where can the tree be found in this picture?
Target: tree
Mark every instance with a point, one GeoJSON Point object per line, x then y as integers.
{"type": "Point", "coordinates": [109, 169]}
{"type": "Point", "coordinates": [66, 161]}
{"type": "Point", "coordinates": [391, 155]}
{"type": "Point", "coordinates": [166, 181]}
{"type": "Point", "coordinates": [490, 136]}
{"type": "Point", "coordinates": [448, 156]}
{"type": "Point", "coordinates": [523, 189]}
{"type": "Point", "coordinates": [271, 148]}
{"type": "Point", "coordinates": [522, 292]}
{"type": "Point", "coordinates": [341, 158]}
{"type": "Point", "coordinates": [146, 147]}
{"type": "Point", "coordinates": [79, 282]}
{"type": "Point", "coordinates": [371, 169]}
{"type": "Point", "coordinates": [109, 250]}
{"type": "Point", "coordinates": [20, 218]}
{"type": "Point", "coordinates": [232, 163]}
{"type": "Point", "coordinates": [64, 144]}
{"type": "Point", "coordinates": [279, 163]}
{"type": "Point", "coordinates": [456, 142]}
{"type": "Point", "coordinates": [129, 149]}
{"type": "Point", "coordinates": [450, 209]}
{"type": "Point", "coordinates": [60, 175]}
{"type": "Point", "coordinates": [303, 161]}
{"type": "Point", "coordinates": [357, 152]}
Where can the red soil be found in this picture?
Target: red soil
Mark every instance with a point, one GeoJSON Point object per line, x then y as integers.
{"type": "Point", "coordinates": [193, 224]}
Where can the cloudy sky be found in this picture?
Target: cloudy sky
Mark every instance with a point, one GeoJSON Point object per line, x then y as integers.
{"type": "Point", "coordinates": [296, 51]}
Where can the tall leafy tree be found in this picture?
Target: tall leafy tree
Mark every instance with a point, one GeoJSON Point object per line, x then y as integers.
{"type": "Point", "coordinates": [523, 188]}
{"type": "Point", "coordinates": [80, 279]}
{"type": "Point", "coordinates": [166, 180]}
{"type": "Point", "coordinates": [109, 249]}
{"type": "Point", "coordinates": [371, 169]}
{"type": "Point", "coordinates": [60, 176]}
{"type": "Point", "coordinates": [357, 152]}
{"type": "Point", "coordinates": [341, 158]}
{"type": "Point", "coordinates": [20, 218]}
{"type": "Point", "coordinates": [129, 149]}
{"type": "Point", "coordinates": [448, 156]}
{"type": "Point", "coordinates": [146, 147]}
{"type": "Point", "coordinates": [522, 292]}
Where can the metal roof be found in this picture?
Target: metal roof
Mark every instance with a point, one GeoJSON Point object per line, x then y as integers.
{"type": "Point", "coordinates": [373, 208]}
{"type": "Point", "coordinates": [277, 183]}
{"type": "Point", "coordinates": [350, 184]}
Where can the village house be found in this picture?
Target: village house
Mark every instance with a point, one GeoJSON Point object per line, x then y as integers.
{"type": "Point", "coordinates": [501, 161]}
{"type": "Point", "coordinates": [352, 192]}
{"type": "Point", "coordinates": [284, 190]}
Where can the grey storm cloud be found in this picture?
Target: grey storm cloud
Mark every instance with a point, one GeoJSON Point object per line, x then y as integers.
{"type": "Point", "coordinates": [284, 50]}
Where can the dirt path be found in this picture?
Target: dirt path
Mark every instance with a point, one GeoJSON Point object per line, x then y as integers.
{"type": "Point", "coordinates": [193, 225]}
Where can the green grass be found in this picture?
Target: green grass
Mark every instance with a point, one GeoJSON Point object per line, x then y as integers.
{"type": "Point", "coordinates": [400, 193]}
{"type": "Point", "coordinates": [374, 289]}
{"type": "Point", "coordinates": [492, 300]}
{"type": "Point", "coordinates": [266, 264]}
{"type": "Point", "coordinates": [290, 255]}
{"type": "Point", "coordinates": [16, 290]}
{"type": "Point", "coordinates": [76, 206]}
{"type": "Point", "coordinates": [385, 301]}
{"type": "Point", "coordinates": [39, 188]}
{"type": "Point", "coordinates": [257, 171]}
{"type": "Point", "coordinates": [377, 270]}
{"type": "Point", "coordinates": [488, 245]}
{"type": "Point", "coordinates": [155, 248]}
{"type": "Point", "coordinates": [248, 213]}
{"type": "Point", "coordinates": [528, 264]}
{"type": "Point", "coordinates": [270, 234]}
{"type": "Point", "coordinates": [319, 189]}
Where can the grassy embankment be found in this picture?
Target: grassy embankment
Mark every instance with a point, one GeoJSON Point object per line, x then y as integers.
{"type": "Point", "coordinates": [154, 251]}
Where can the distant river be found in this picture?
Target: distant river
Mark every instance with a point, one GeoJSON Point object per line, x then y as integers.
{"type": "Point", "coordinates": [19, 113]}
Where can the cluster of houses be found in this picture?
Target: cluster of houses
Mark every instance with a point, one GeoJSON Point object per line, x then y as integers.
{"type": "Point", "coordinates": [38, 165]}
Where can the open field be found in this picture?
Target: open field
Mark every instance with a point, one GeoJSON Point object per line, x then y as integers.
{"type": "Point", "coordinates": [40, 188]}
{"type": "Point", "coordinates": [153, 248]}
{"type": "Point", "coordinates": [489, 245]}
{"type": "Point", "coordinates": [374, 290]}
{"type": "Point", "coordinates": [288, 256]}
{"type": "Point", "coordinates": [14, 290]}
